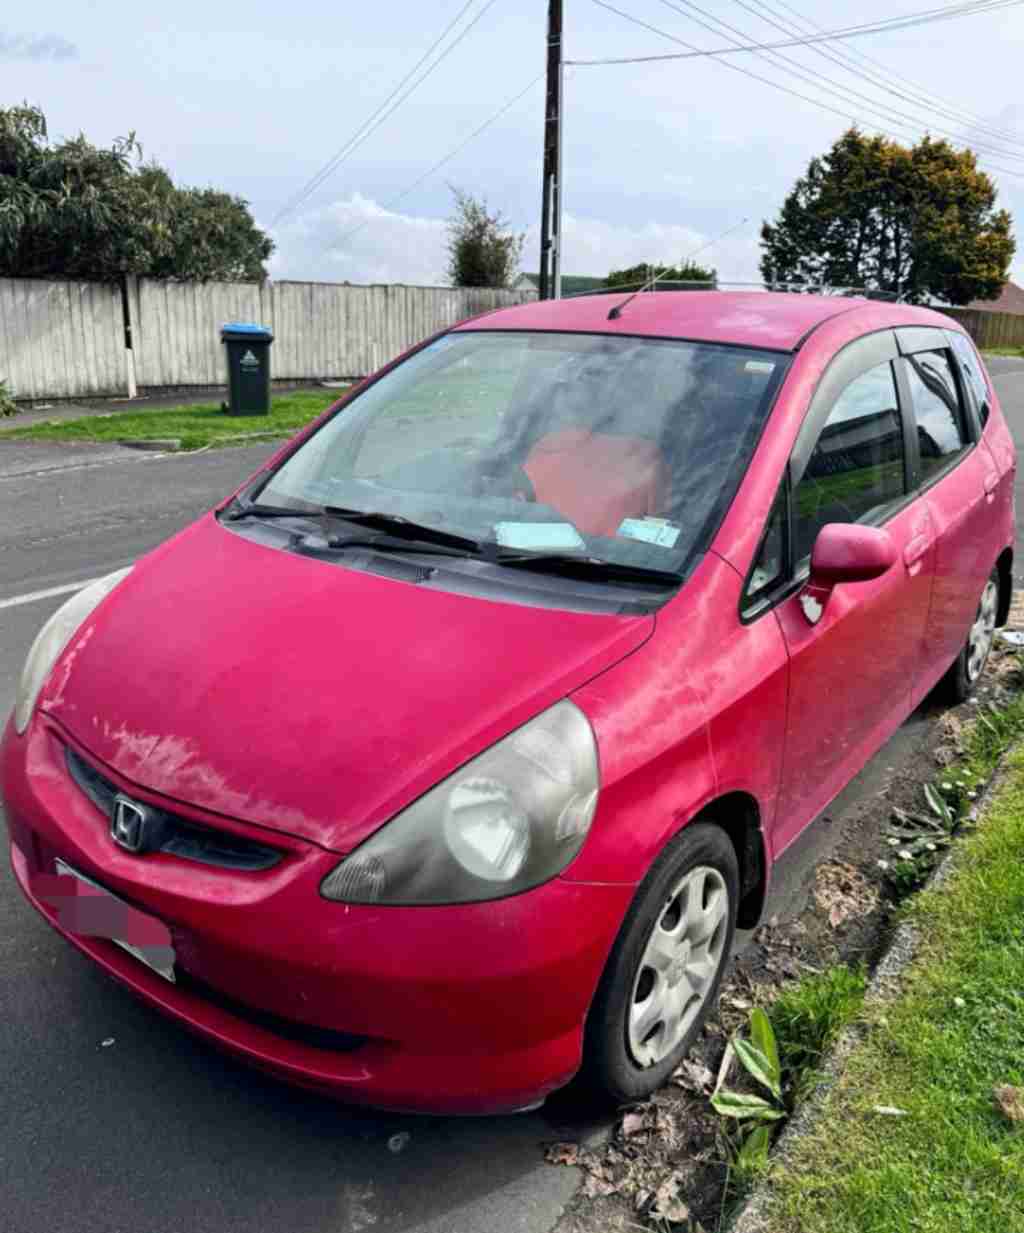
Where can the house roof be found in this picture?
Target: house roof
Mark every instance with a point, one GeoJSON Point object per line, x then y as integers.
{"type": "Point", "coordinates": [1009, 300]}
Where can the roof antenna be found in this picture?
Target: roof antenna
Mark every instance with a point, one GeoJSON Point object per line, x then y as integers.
{"type": "Point", "coordinates": [615, 312]}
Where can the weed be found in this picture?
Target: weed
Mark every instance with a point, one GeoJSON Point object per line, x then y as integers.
{"type": "Point", "coordinates": [7, 404]}
{"type": "Point", "coordinates": [807, 1018]}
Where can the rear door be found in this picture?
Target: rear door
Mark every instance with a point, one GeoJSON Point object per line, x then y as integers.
{"type": "Point", "coordinates": [853, 667]}
{"type": "Point", "coordinates": [959, 480]}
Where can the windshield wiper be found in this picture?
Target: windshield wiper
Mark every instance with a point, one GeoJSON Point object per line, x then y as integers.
{"type": "Point", "coordinates": [253, 509]}
{"type": "Point", "coordinates": [385, 544]}
{"type": "Point", "coordinates": [596, 567]}
{"type": "Point", "coordinates": [403, 528]}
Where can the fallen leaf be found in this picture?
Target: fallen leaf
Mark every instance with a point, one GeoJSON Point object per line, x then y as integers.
{"type": "Point", "coordinates": [1010, 1101]}
{"type": "Point", "coordinates": [563, 1154]}
{"type": "Point", "coordinates": [596, 1187]}
{"type": "Point", "coordinates": [632, 1124]}
{"type": "Point", "coordinates": [891, 1111]}
{"type": "Point", "coordinates": [842, 892]}
{"type": "Point", "coordinates": [667, 1204]}
{"type": "Point", "coordinates": [694, 1077]}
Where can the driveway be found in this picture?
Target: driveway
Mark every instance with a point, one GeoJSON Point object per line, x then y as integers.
{"type": "Point", "coordinates": [116, 1120]}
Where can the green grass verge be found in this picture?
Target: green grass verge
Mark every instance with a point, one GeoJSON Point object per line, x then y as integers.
{"type": "Point", "coordinates": [1015, 352]}
{"type": "Point", "coordinates": [195, 426]}
{"type": "Point", "coordinates": [953, 1161]}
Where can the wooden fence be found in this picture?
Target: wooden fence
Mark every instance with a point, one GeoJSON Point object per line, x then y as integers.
{"type": "Point", "coordinates": [63, 339]}
{"type": "Point", "coordinates": [990, 329]}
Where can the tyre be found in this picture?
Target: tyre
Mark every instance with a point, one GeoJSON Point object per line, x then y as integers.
{"type": "Point", "coordinates": [958, 683]}
{"type": "Point", "coordinates": [665, 968]}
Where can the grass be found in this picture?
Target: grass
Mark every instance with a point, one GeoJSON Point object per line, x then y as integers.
{"type": "Point", "coordinates": [808, 1017]}
{"type": "Point", "coordinates": [194, 426]}
{"type": "Point", "coordinates": [952, 1160]}
{"type": "Point", "coordinates": [1015, 352]}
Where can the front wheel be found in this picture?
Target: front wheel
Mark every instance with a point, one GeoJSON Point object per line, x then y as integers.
{"type": "Point", "coordinates": [968, 666]}
{"type": "Point", "coordinates": [666, 966]}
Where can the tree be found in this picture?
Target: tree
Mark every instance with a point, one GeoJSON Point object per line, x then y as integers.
{"type": "Point", "coordinates": [482, 252]}
{"type": "Point", "coordinates": [686, 272]}
{"type": "Point", "coordinates": [75, 210]}
{"type": "Point", "coordinates": [918, 222]}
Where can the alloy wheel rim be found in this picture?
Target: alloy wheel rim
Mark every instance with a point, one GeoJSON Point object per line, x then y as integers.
{"type": "Point", "coordinates": [679, 965]}
{"type": "Point", "coordinates": [979, 642]}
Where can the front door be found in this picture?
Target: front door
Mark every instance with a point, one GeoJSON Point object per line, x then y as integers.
{"type": "Point", "coordinates": [853, 663]}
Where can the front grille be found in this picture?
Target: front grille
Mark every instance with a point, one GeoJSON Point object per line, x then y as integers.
{"type": "Point", "coordinates": [288, 1029]}
{"type": "Point", "coordinates": [181, 837]}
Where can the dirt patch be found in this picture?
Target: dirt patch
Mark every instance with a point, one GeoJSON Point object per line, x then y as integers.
{"type": "Point", "coordinates": [664, 1165]}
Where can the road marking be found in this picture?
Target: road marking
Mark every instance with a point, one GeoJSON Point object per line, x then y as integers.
{"type": "Point", "coordinates": [30, 597]}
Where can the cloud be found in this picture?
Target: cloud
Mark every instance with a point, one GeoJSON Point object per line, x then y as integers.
{"type": "Point", "coordinates": [36, 47]}
{"type": "Point", "coordinates": [357, 240]}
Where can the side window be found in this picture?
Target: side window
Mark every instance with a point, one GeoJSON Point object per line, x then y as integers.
{"type": "Point", "coordinates": [970, 366]}
{"type": "Point", "coordinates": [857, 465]}
{"type": "Point", "coordinates": [937, 410]}
{"type": "Point", "coordinates": [769, 568]}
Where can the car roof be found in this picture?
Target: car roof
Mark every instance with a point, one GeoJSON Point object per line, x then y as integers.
{"type": "Point", "coordinates": [773, 320]}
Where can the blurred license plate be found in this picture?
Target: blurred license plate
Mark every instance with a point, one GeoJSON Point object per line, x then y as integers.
{"type": "Point", "coordinates": [86, 908]}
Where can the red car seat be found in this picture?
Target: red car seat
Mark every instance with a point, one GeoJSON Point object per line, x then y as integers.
{"type": "Point", "coordinates": [597, 479]}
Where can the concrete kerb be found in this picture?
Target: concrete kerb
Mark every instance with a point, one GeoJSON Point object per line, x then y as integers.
{"type": "Point", "coordinates": [754, 1213]}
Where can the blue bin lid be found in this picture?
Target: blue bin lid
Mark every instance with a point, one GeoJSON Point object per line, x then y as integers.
{"type": "Point", "coordinates": [245, 329]}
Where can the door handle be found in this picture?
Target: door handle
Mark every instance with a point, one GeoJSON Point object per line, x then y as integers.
{"type": "Point", "coordinates": [915, 549]}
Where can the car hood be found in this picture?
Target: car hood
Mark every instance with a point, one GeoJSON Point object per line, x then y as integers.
{"type": "Point", "coordinates": [305, 696]}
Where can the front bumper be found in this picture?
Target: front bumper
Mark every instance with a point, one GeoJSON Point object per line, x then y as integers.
{"type": "Point", "coordinates": [474, 1008]}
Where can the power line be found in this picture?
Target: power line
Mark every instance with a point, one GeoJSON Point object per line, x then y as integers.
{"type": "Point", "coordinates": [776, 85]}
{"type": "Point", "coordinates": [383, 111]}
{"type": "Point", "coordinates": [817, 80]}
{"type": "Point", "coordinates": [994, 144]}
{"type": "Point", "coordinates": [974, 8]}
{"type": "Point", "coordinates": [447, 158]}
{"type": "Point", "coordinates": [909, 91]}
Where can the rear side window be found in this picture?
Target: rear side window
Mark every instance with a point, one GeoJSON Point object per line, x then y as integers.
{"type": "Point", "coordinates": [937, 410]}
{"type": "Point", "coordinates": [857, 464]}
{"type": "Point", "coordinates": [970, 366]}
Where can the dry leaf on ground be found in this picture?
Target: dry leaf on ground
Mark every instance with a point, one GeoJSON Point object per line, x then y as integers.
{"type": "Point", "coordinates": [694, 1077]}
{"type": "Point", "coordinates": [563, 1154]}
{"type": "Point", "coordinates": [632, 1124]}
{"type": "Point", "coordinates": [667, 1205]}
{"type": "Point", "coordinates": [1010, 1101]}
{"type": "Point", "coordinates": [843, 892]}
{"type": "Point", "coordinates": [597, 1187]}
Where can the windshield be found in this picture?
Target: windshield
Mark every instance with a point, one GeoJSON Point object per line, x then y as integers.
{"type": "Point", "coordinates": [625, 450]}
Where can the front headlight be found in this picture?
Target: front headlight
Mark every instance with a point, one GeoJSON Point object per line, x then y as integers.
{"type": "Point", "coordinates": [52, 639]}
{"type": "Point", "coordinates": [512, 818]}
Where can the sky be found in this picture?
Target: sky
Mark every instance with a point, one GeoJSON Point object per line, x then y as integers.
{"type": "Point", "coordinates": [659, 158]}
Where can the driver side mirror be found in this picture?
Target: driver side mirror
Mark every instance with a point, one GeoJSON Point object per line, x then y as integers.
{"type": "Point", "coordinates": [849, 552]}
{"type": "Point", "coordinates": [845, 552]}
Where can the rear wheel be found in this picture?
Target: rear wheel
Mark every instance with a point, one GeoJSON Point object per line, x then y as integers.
{"type": "Point", "coordinates": [666, 966]}
{"type": "Point", "coordinates": [960, 680]}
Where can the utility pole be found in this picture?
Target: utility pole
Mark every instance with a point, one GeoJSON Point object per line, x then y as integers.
{"type": "Point", "coordinates": [551, 197]}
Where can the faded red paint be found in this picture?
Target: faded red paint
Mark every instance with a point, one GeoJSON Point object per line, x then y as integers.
{"type": "Point", "coordinates": [274, 695]}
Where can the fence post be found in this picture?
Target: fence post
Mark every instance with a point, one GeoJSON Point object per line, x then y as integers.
{"type": "Point", "coordinates": [126, 317]}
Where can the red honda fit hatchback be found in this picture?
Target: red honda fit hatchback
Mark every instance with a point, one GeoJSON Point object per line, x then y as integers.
{"type": "Point", "coordinates": [443, 758]}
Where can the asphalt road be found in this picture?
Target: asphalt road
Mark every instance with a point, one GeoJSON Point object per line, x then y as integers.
{"type": "Point", "coordinates": [156, 1131]}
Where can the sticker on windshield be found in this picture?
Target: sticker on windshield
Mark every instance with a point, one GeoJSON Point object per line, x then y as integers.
{"type": "Point", "coordinates": [553, 536]}
{"type": "Point", "coordinates": [762, 366]}
{"type": "Point", "coordinates": [650, 530]}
